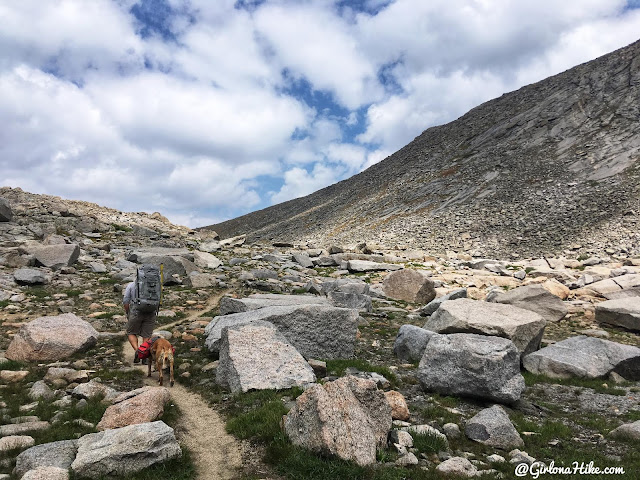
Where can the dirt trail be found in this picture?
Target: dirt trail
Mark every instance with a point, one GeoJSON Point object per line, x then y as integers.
{"type": "Point", "coordinates": [215, 453]}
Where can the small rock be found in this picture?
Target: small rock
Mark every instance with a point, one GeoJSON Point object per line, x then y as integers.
{"type": "Point", "coordinates": [20, 428]}
{"type": "Point", "coordinates": [628, 431]}
{"type": "Point", "coordinates": [492, 427]}
{"type": "Point", "coordinates": [407, 460]}
{"type": "Point", "coordinates": [516, 456]}
{"type": "Point", "coordinates": [40, 390]}
{"type": "Point", "coordinates": [55, 454]}
{"type": "Point", "coordinates": [399, 408]}
{"type": "Point", "coordinates": [29, 276]}
{"type": "Point", "coordinates": [319, 367]}
{"type": "Point", "coordinates": [13, 442]}
{"type": "Point", "coordinates": [495, 458]}
{"type": "Point", "coordinates": [13, 376]}
{"type": "Point", "coordinates": [451, 430]}
{"type": "Point", "coordinates": [400, 437]}
{"type": "Point", "coordinates": [457, 466]}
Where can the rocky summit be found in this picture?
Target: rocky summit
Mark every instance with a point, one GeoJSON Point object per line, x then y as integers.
{"type": "Point", "coordinates": [552, 166]}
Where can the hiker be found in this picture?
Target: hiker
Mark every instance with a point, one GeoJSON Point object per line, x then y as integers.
{"type": "Point", "coordinates": [141, 302]}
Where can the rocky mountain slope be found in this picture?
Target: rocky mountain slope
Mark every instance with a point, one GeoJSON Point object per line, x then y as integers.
{"type": "Point", "coordinates": [377, 345]}
{"type": "Point", "coordinates": [538, 170]}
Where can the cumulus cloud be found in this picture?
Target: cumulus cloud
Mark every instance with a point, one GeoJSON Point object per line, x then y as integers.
{"type": "Point", "coordinates": [447, 57]}
{"type": "Point", "coordinates": [155, 110]}
{"type": "Point", "coordinates": [68, 36]}
{"type": "Point", "coordinates": [206, 110]}
{"type": "Point", "coordinates": [299, 182]}
{"type": "Point", "coordinates": [312, 41]}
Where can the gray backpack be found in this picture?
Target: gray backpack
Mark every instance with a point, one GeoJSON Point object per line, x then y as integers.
{"type": "Point", "coordinates": [148, 291]}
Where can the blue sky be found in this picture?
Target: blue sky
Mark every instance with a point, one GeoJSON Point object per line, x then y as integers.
{"type": "Point", "coordinates": [206, 110]}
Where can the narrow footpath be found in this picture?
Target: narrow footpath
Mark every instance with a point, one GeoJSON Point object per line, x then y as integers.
{"type": "Point", "coordinates": [215, 453]}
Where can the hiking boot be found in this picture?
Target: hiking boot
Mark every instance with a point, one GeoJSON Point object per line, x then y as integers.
{"type": "Point", "coordinates": [136, 359]}
{"type": "Point", "coordinates": [145, 361]}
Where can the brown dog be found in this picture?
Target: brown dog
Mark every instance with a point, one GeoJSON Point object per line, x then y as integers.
{"type": "Point", "coordinates": [161, 353]}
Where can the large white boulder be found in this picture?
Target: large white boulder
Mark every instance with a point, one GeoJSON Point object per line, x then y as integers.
{"type": "Point", "coordinates": [125, 450]}
{"type": "Point", "coordinates": [523, 327]}
{"type": "Point", "coordinates": [622, 312]}
{"type": "Point", "coordinates": [537, 299]}
{"type": "Point", "coordinates": [51, 338]}
{"type": "Point", "coordinates": [585, 357]}
{"type": "Point", "coordinates": [258, 357]}
{"type": "Point", "coordinates": [316, 331]}
{"type": "Point", "coordinates": [54, 256]}
{"type": "Point", "coordinates": [256, 301]}
{"type": "Point", "coordinates": [472, 365]}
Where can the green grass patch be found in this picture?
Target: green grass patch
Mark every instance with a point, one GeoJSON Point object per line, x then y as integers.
{"type": "Point", "coordinates": [262, 422]}
{"type": "Point", "coordinates": [544, 432]}
{"type": "Point", "coordinates": [13, 365]}
{"type": "Point", "coordinates": [73, 292]}
{"type": "Point", "coordinates": [108, 281]}
{"type": "Point", "coordinates": [39, 293]}
{"type": "Point", "coordinates": [338, 367]}
{"type": "Point", "coordinates": [436, 412]}
{"type": "Point", "coordinates": [65, 428]}
{"type": "Point", "coordinates": [243, 403]}
{"type": "Point", "coordinates": [295, 463]}
{"type": "Point", "coordinates": [325, 271]}
{"type": "Point", "coordinates": [445, 400]}
{"type": "Point", "coordinates": [257, 416]}
{"type": "Point", "coordinates": [600, 424]}
{"type": "Point", "coordinates": [121, 228]}
{"type": "Point", "coordinates": [428, 443]}
{"type": "Point", "coordinates": [106, 315]}
{"type": "Point", "coordinates": [632, 415]}
{"type": "Point", "coordinates": [598, 385]}
{"type": "Point", "coordinates": [4, 303]}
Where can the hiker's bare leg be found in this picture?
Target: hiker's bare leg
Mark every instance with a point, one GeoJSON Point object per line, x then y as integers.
{"type": "Point", "coordinates": [133, 340]}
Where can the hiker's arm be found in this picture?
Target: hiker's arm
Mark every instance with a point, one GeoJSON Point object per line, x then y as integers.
{"type": "Point", "coordinates": [127, 298]}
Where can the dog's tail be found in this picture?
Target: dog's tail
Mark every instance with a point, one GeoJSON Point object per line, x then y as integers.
{"type": "Point", "coordinates": [167, 355]}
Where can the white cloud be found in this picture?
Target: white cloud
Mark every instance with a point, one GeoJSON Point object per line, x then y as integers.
{"type": "Point", "coordinates": [298, 182]}
{"type": "Point", "coordinates": [191, 127]}
{"type": "Point", "coordinates": [311, 41]}
{"type": "Point", "coordinates": [353, 156]}
{"type": "Point", "coordinates": [152, 109]}
{"type": "Point", "coordinates": [226, 54]}
{"type": "Point", "coordinates": [429, 100]}
{"type": "Point", "coordinates": [68, 36]}
{"type": "Point", "coordinates": [454, 55]}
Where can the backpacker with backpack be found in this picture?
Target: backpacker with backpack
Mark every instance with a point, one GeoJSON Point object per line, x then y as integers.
{"type": "Point", "coordinates": [148, 288]}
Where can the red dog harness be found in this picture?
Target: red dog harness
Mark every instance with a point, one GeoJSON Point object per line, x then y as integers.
{"type": "Point", "coordinates": [144, 350]}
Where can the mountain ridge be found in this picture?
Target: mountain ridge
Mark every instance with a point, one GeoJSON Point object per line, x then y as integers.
{"type": "Point", "coordinates": [533, 171]}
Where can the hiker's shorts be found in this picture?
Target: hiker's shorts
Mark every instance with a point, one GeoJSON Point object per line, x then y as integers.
{"type": "Point", "coordinates": [140, 323]}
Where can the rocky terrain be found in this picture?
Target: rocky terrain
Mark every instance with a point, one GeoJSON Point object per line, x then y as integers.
{"type": "Point", "coordinates": [549, 167]}
{"type": "Point", "coordinates": [322, 360]}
